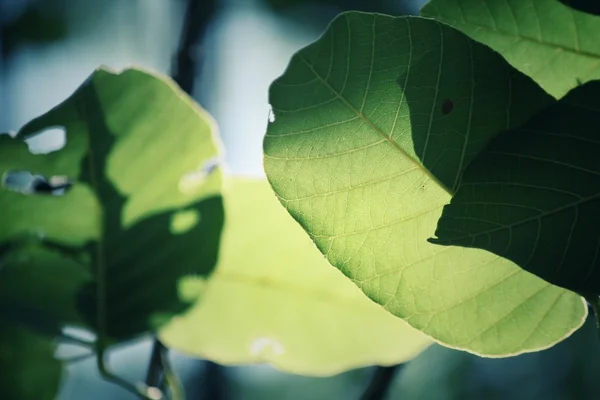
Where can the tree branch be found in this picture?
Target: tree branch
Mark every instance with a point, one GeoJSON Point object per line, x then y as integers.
{"type": "Point", "coordinates": [594, 302]}
{"type": "Point", "coordinates": [188, 60]}
{"type": "Point", "coordinates": [154, 376]}
{"type": "Point", "coordinates": [380, 383]}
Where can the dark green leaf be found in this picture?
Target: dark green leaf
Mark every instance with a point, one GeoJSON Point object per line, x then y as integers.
{"type": "Point", "coordinates": [28, 368]}
{"type": "Point", "coordinates": [39, 286]}
{"type": "Point", "coordinates": [533, 195]}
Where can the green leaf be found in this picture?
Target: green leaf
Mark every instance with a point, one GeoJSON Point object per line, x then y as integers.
{"type": "Point", "coordinates": [29, 369]}
{"type": "Point", "coordinates": [371, 124]}
{"type": "Point", "coordinates": [145, 207]}
{"type": "Point", "coordinates": [533, 195]}
{"type": "Point", "coordinates": [72, 219]}
{"type": "Point", "coordinates": [555, 45]}
{"type": "Point", "coordinates": [275, 299]}
{"type": "Point", "coordinates": [39, 287]}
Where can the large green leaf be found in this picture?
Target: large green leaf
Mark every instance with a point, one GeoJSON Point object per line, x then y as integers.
{"type": "Point", "coordinates": [554, 44]}
{"type": "Point", "coordinates": [144, 209]}
{"type": "Point", "coordinates": [275, 299]}
{"type": "Point", "coordinates": [29, 369]}
{"type": "Point", "coordinates": [372, 125]}
{"type": "Point", "coordinates": [533, 195]}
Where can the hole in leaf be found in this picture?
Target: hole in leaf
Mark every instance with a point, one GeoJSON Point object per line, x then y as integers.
{"type": "Point", "coordinates": [447, 107]}
{"type": "Point", "coordinates": [183, 221]}
{"type": "Point", "coordinates": [263, 344]}
{"type": "Point", "coordinates": [193, 180]}
{"type": "Point", "coordinates": [271, 114]}
{"type": "Point", "coordinates": [25, 182]}
{"type": "Point", "coordinates": [47, 141]}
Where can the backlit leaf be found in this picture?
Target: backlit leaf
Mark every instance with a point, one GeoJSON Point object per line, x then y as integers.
{"type": "Point", "coordinates": [275, 299]}
{"type": "Point", "coordinates": [144, 208]}
{"type": "Point", "coordinates": [552, 43]}
{"type": "Point", "coordinates": [364, 151]}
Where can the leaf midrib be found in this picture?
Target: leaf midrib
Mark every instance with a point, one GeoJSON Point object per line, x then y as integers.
{"type": "Point", "coordinates": [374, 127]}
{"type": "Point", "coordinates": [267, 282]}
{"type": "Point", "coordinates": [100, 272]}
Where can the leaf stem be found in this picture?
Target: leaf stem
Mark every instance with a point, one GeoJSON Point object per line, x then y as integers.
{"type": "Point", "coordinates": [173, 383]}
{"type": "Point", "coordinates": [380, 383]}
{"type": "Point", "coordinates": [141, 390]}
{"type": "Point", "coordinates": [154, 376]}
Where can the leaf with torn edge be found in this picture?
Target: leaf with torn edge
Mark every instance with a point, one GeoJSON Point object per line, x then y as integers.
{"type": "Point", "coordinates": [144, 208]}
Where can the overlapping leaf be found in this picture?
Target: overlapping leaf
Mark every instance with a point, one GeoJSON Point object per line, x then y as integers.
{"type": "Point", "coordinates": [533, 195]}
{"type": "Point", "coordinates": [552, 43]}
{"type": "Point", "coordinates": [275, 299]}
{"type": "Point", "coordinates": [144, 209]}
{"type": "Point", "coordinates": [372, 126]}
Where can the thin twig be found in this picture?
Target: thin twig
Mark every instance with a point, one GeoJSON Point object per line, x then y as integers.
{"type": "Point", "coordinates": [141, 390]}
{"type": "Point", "coordinates": [186, 65]}
{"type": "Point", "coordinates": [595, 303]}
{"type": "Point", "coordinates": [380, 383]}
{"type": "Point", "coordinates": [154, 376]}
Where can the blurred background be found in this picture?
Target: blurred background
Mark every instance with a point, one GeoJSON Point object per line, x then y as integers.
{"type": "Point", "coordinates": [49, 47]}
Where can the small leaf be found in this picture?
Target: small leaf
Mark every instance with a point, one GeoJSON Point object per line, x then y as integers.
{"type": "Point", "coordinates": [362, 156]}
{"type": "Point", "coordinates": [29, 369]}
{"type": "Point", "coordinates": [275, 299]}
{"type": "Point", "coordinates": [533, 195]}
{"type": "Point", "coordinates": [137, 150]}
{"type": "Point", "coordinates": [555, 45]}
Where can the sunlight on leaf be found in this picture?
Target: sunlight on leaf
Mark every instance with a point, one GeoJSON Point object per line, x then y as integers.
{"type": "Point", "coordinates": [275, 299]}
{"type": "Point", "coordinates": [364, 153]}
{"type": "Point", "coordinates": [552, 43]}
{"type": "Point", "coordinates": [130, 138]}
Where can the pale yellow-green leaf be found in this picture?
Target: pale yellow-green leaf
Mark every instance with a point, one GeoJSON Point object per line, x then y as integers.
{"type": "Point", "coordinates": [275, 299]}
